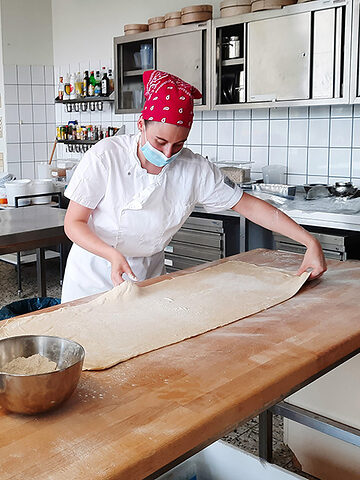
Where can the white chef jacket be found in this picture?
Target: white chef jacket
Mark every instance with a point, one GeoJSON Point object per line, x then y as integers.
{"type": "Point", "coordinates": [136, 212]}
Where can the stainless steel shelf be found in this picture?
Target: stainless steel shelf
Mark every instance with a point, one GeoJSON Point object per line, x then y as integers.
{"type": "Point", "coordinates": [134, 73]}
{"type": "Point", "coordinates": [232, 62]}
{"type": "Point", "coordinates": [87, 99]}
{"type": "Point", "coordinates": [78, 142]}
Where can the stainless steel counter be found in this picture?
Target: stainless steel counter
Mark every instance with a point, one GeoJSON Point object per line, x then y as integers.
{"type": "Point", "coordinates": [318, 219]}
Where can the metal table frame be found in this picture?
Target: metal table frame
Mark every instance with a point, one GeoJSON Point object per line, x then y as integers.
{"type": "Point", "coordinates": [305, 417]}
{"type": "Point", "coordinates": [40, 252]}
{"type": "Point", "coordinates": [39, 245]}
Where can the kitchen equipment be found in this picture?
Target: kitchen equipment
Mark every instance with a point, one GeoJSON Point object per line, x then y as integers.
{"type": "Point", "coordinates": [274, 174]}
{"type": "Point", "coordinates": [137, 59]}
{"type": "Point", "coordinates": [146, 56]}
{"type": "Point", "coordinates": [17, 188]}
{"type": "Point", "coordinates": [229, 8]}
{"type": "Point", "coordinates": [202, 239]}
{"type": "Point", "coordinates": [138, 96]}
{"type": "Point", "coordinates": [6, 177]}
{"type": "Point", "coordinates": [238, 172]}
{"type": "Point", "coordinates": [43, 170]}
{"type": "Point", "coordinates": [59, 172]}
{"type": "Point", "coordinates": [53, 149]}
{"type": "Point", "coordinates": [156, 23]}
{"type": "Point", "coordinates": [196, 13]}
{"type": "Point", "coordinates": [286, 191]}
{"type": "Point", "coordinates": [127, 100]}
{"type": "Point", "coordinates": [317, 191]}
{"type": "Point", "coordinates": [225, 461]}
{"type": "Point", "coordinates": [44, 185]}
{"type": "Point", "coordinates": [31, 394]}
{"type": "Point", "coordinates": [241, 87]}
{"type": "Point", "coordinates": [231, 47]}
{"type": "Point", "coordinates": [232, 87]}
{"type": "Point", "coordinates": [308, 186]}
{"type": "Point", "coordinates": [336, 244]}
{"type": "Point", "coordinates": [258, 5]}
{"type": "Point", "coordinates": [172, 19]}
{"type": "Point", "coordinates": [343, 189]}
{"type": "Point", "coordinates": [132, 28]}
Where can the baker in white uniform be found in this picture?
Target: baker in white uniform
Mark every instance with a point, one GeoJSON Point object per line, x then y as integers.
{"type": "Point", "coordinates": [131, 193]}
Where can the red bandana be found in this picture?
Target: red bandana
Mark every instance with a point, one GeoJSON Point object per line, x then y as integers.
{"type": "Point", "coordinates": [168, 99]}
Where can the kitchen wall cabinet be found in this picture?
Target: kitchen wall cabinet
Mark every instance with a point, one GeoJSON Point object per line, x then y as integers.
{"type": "Point", "coordinates": [299, 55]}
{"type": "Point", "coordinates": [355, 54]}
{"type": "Point", "coordinates": [303, 54]}
{"type": "Point", "coordinates": [184, 51]}
{"type": "Point", "coordinates": [284, 65]}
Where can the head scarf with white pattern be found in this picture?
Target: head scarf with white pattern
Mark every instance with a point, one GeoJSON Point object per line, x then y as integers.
{"type": "Point", "coordinates": [168, 99]}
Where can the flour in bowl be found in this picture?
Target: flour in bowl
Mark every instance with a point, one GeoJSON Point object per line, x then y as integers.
{"type": "Point", "coordinates": [33, 365]}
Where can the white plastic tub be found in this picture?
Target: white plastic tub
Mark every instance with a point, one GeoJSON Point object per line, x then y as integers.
{"type": "Point", "coordinates": [17, 188]}
{"type": "Point", "coordinates": [222, 461]}
{"type": "Point", "coordinates": [43, 170]}
{"type": "Point", "coordinates": [44, 185]}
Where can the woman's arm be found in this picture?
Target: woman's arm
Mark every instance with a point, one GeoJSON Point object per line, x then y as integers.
{"type": "Point", "coordinates": [77, 229]}
{"type": "Point", "coordinates": [269, 217]}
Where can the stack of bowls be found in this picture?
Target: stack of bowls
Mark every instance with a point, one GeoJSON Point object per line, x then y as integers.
{"type": "Point", "coordinates": [229, 8]}
{"type": "Point", "coordinates": [172, 19]}
{"type": "Point", "coordinates": [258, 5]}
{"type": "Point", "coordinates": [156, 23]}
{"type": "Point", "coordinates": [196, 13]}
{"type": "Point", "coordinates": [132, 28]}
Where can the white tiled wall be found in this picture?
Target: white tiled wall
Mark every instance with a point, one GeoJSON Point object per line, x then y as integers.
{"type": "Point", "coordinates": [316, 144]}
{"type": "Point", "coordinates": [30, 117]}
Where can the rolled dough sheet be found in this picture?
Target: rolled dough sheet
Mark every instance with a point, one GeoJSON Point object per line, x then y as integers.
{"type": "Point", "coordinates": [130, 320]}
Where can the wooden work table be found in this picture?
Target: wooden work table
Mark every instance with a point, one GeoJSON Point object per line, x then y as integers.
{"type": "Point", "coordinates": [133, 419]}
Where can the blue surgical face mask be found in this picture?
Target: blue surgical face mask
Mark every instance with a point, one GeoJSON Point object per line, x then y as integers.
{"type": "Point", "coordinates": [154, 156]}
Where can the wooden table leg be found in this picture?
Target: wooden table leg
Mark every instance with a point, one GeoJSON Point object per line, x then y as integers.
{"type": "Point", "coordinates": [41, 271]}
{"type": "Point", "coordinates": [265, 435]}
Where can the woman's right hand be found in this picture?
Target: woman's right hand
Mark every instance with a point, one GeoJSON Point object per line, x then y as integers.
{"type": "Point", "coordinates": [119, 266]}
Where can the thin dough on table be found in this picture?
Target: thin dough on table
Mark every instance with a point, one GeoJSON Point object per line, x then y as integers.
{"type": "Point", "coordinates": [130, 320]}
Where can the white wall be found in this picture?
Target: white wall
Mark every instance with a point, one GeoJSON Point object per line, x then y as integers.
{"type": "Point", "coordinates": [26, 29]}
{"type": "Point", "coordinates": [2, 101]}
{"type": "Point", "coordinates": [83, 31]}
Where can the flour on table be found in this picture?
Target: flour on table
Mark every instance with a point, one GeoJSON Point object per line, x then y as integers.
{"type": "Point", "coordinates": [33, 365]}
{"type": "Point", "coordinates": [130, 320]}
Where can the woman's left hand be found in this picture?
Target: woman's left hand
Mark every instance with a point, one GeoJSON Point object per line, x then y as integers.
{"type": "Point", "coordinates": [313, 259]}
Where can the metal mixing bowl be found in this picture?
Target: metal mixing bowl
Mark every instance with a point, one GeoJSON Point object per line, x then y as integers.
{"type": "Point", "coordinates": [343, 189]}
{"type": "Point", "coordinates": [32, 394]}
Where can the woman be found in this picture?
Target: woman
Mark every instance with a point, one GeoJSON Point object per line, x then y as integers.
{"type": "Point", "coordinates": [131, 193]}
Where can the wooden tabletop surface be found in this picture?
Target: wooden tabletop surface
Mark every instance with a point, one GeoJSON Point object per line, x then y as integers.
{"type": "Point", "coordinates": [28, 227]}
{"type": "Point", "coordinates": [129, 421]}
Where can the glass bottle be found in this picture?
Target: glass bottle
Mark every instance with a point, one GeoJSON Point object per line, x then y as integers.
{"type": "Point", "coordinates": [61, 89]}
{"type": "Point", "coordinates": [104, 83]}
{"type": "Point", "coordinates": [92, 84]}
{"type": "Point", "coordinates": [86, 82]}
